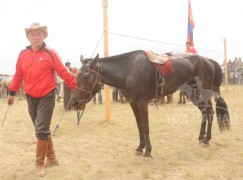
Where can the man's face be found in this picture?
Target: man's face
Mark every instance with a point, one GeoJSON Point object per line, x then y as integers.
{"type": "Point", "coordinates": [36, 37]}
{"type": "Point", "coordinates": [188, 45]}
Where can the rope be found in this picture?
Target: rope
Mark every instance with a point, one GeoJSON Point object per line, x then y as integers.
{"type": "Point", "coordinates": [161, 42]}
{"type": "Point", "coordinates": [58, 125]}
{"type": "Point", "coordinates": [144, 39]}
{"type": "Point", "coordinates": [79, 115]}
{"type": "Point", "coordinates": [5, 115]}
{"type": "Point", "coordinates": [98, 43]}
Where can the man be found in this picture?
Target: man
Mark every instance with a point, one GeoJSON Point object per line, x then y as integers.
{"type": "Point", "coordinates": [36, 66]}
{"type": "Point", "coordinates": [190, 48]}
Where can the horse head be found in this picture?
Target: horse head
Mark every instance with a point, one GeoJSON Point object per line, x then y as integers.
{"type": "Point", "coordinates": [87, 82]}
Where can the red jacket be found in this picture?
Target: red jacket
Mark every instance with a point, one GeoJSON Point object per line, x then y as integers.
{"type": "Point", "coordinates": [37, 69]}
{"type": "Point", "coordinates": [191, 50]}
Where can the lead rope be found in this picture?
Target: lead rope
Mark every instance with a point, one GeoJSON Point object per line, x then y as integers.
{"type": "Point", "coordinates": [58, 125]}
{"type": "Point", "coordinates": [79, 115]}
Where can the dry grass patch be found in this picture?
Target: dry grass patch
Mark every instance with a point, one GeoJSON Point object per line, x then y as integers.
{"type": "Point", "coordinates": [102, 150]}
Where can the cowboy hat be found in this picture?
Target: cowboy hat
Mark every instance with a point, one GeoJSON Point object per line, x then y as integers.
{"type": "Point", "coordinates": [37, 26]}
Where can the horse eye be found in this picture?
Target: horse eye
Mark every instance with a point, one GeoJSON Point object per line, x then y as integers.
{"type": "Point", "coordinates": [86, 75]}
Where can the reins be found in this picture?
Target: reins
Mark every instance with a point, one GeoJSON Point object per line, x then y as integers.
{"type": "Point", "coordinates": [160, 82]}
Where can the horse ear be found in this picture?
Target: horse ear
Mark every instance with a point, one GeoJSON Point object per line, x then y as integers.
{"type": "Point", "coordinates": [82, 59]}
{"type": "Point", "coordinates": [94, 61]}
{"type": "Point", "coordinates": [96, 57]}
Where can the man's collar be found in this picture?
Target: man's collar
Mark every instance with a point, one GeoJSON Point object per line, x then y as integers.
{"type": "Point", "coordinates": [42, 47]}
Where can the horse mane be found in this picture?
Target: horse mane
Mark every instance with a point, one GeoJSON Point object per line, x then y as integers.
{"type": "Point", "coordinates": [120, 56]}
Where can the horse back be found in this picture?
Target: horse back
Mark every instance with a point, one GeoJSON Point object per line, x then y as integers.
{"type": "Point", "coordinates": [190, 66]}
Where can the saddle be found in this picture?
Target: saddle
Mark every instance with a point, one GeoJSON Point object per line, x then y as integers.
{"type": "Point", "coordinates": [161, 62]}
{"type": "Point", "coordinates": [158, 58]}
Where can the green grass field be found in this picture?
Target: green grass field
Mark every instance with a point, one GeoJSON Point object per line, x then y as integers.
{"type": "Point", "coordinates": [97, 149]}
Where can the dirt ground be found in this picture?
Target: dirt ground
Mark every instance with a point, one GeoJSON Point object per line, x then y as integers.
{"type": "Point", "coordinates": [97, 149]}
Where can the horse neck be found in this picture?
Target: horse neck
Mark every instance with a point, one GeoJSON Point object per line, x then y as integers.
{"type": "Point", "coordinates": [114, 69]}
{"type": "Point", "coordinates": [113, 73]}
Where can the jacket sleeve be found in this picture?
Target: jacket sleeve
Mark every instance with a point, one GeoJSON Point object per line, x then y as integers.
{"type": "Point", "coordinates": [17, 79]}
{"type": "Point", "coordinates": [62, 71]}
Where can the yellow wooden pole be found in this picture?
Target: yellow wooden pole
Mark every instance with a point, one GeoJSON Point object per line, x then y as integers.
{"type": "Point", "coordinates": [226, 66]}
{"type": "Point", "coordinates": [105, 28]}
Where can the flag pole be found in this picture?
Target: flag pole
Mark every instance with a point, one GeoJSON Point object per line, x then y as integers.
{"type": "Point", "coordinates": [105, 28]}
{"type": "Point", "coordinates": [225, 66]}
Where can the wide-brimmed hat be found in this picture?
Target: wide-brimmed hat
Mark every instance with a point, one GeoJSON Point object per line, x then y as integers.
{"type": "Point", "coordinates": [37, 26]}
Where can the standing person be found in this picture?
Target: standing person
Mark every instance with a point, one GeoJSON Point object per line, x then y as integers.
{"type": "Point", "coordinates": [169, 99]}
{"type": "Point", "coordinates": [190, 48]}
{"type": "Point", "coordinates": [230, 71]}
{"type": "Point", "coordinates": [36, 66]}
{"type": "Point", "coordinates": [66, 90]}
{"type": "Point", "coordinates": [115, 94]}
{"type": "Point", "coordinates": [99, 97]}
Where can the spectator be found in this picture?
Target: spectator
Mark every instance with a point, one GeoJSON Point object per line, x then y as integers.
{"type": "Point", "coordinates": [66, 90]}
{"type": "Point", "coordinates": [99, 98]}
{"type": "Point", "coordinates": [190, 48]}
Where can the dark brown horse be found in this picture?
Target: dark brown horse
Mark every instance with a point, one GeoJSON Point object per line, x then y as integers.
{"type": "Point", "coordinates": [131, 72]}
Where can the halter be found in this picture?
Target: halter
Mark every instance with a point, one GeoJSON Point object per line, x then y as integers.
{"type": "Point", "coordinates": [90, 91]}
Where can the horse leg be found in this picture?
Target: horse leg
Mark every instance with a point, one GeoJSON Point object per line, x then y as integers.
{"type": "Point", "coordinates": [210, 112]}
{"type": "Point", "coordinates": [139, 149]}
{"type": "Point", "coordinates": [143, 112]}
{"type": "Point", "coordinates": [201, 106]}
{"type": "Point", "coordinates": [202, 129]}
{"type": "Point", "coordinates": [180, 97]}
{"type": "Point", "coordinates": [162, 99]}
{"type": "Point", "coordinates": [184, 98]}
{"type": "Point", "coordinates": [180, 100]}
{"type": "Point", "coordinates": [207, 111]}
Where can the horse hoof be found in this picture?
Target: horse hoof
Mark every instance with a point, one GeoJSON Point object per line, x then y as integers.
{"type": "Point", "coordinates": [138, 153]}
{"type": "Point", "coordinates": [204, 145]}
{"type": "Point", "coordinates": [203, 142]}
{"type": "Point", "coordinates": [146, 154]}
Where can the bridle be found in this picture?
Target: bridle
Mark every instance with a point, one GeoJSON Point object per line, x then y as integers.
{"type": "Point", "coordinates": [93, 86]}
{"type": "Point", "coordinates": [79, 114]}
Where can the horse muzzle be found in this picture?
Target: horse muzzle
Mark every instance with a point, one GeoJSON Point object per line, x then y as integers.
{"type": "Point", "coordinates": [78, 105]}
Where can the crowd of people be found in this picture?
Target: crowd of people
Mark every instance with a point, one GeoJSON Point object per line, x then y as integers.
{"type": "Point", "coordinates": [235, 71]}
{"type": "Point", "coordinates": [5, 81]}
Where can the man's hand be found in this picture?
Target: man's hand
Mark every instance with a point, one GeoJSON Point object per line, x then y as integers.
{"type": "Point", "coordinates": [10, 100]}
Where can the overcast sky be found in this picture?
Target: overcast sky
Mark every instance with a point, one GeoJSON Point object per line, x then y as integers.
{"type": "Point", "coordinates": [76, 26]}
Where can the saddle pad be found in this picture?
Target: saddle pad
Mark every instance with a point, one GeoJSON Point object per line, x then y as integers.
{"type": "Point", "coordinates": [165, 69]}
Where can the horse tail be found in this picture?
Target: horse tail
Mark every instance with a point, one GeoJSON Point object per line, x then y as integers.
{"type": "Point", "coordinates": [221, 106]}
{"type": "Point", "coordinates": [222, 114]}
